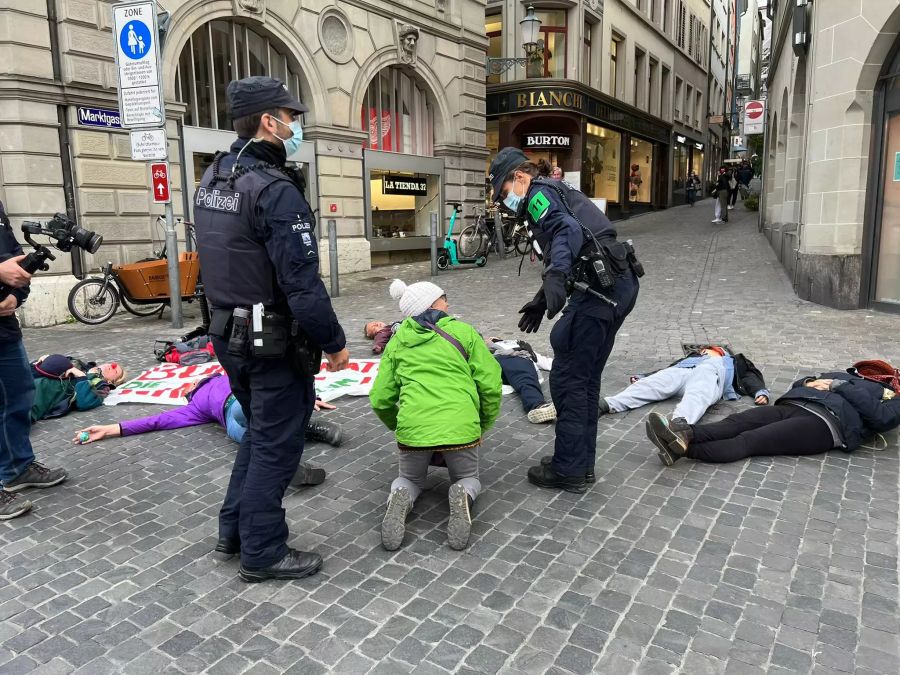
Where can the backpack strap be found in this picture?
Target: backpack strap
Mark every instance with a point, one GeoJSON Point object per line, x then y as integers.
{"type": "Point", "coordinates": [449, 338]}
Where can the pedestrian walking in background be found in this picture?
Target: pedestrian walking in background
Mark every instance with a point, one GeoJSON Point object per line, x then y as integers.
{"type": "Point", "coordinates": [691, 187]}
{"type": "Point", "coordinates": [438, 389]}
{"type": "Point", "coordinates": [732, 188]}
{"type": "Point", "coordinates": [721, 196]}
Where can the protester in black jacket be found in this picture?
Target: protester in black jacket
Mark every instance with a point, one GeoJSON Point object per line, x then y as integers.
{"type": "Point", "coordinates": [834, 410]}
{"type": "Point", "coordinates": [721, 193]}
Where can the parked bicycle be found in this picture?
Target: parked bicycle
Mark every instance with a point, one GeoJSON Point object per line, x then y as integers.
{"type": "Point", "coordinates": [491, 231]}
{"type": "Point", "coordinates": [142, 288]}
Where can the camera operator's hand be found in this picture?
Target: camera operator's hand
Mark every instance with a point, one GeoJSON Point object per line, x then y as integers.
{"type": "Point", "coordinates": [8, 305]}
{"type": "Point", "coordinates": [12, 274]}
{"type": "Point", "coordinates": [533, 313]}
{"type": "Point", "coordinates": [555, 292]}
{"type": "Point", "coordinates": [337, 361]}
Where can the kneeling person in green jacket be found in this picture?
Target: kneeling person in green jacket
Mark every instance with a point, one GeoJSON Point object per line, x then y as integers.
{"type": "Point", "coordinates": [438, 387]}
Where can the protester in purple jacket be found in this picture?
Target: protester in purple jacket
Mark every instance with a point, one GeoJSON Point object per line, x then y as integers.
{"type": "Point", "coordinates": [212, 401]}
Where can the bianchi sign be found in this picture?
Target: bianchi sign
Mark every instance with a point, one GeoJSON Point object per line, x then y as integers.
{"type": "Point", "coordinates": [555, 141]}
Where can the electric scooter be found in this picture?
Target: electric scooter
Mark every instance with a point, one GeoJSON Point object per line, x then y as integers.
{"type": "Point", "coordinates": [447, 255]}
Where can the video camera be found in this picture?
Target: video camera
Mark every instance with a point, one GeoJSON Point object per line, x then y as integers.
{"type": "Point", "coordinates": [65, 234]}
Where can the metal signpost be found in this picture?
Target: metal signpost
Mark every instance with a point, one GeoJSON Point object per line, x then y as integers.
{"type": "Point", "coordinates": [141, 106]}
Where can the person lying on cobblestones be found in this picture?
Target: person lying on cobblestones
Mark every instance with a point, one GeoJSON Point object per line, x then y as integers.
{"type": "Point", "coordinates": [438, 388]}
{"type": "Point", "coordinates": [381, 333]}
{"type": "Point", "coordinates": [211, 401]}
{"type": "Point", "coordinates": [63, 384]}
{"type": "Point", "coordinates": [833, 410]}
{"type": "Point", "coordinates": [519, 365]}
{"type": "Point", "coordinates": [701, 379]}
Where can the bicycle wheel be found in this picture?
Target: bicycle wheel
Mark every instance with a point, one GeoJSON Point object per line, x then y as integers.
{"type": "Point", "coordinates": [91, 303]}
{"type": "Point", "coordinates": [471, 242]}
{"type": "Point", "coordinates": [142, 309]}
{"type": "Point", "coordinates": [520, 241]}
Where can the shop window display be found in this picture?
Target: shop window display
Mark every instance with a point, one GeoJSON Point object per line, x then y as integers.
{"type": "Point", "coordinates": [600, 166]}
{"type": "Point", "coordinates": [402, 203]}
{"type": "Point", "coordinates": [640, 172]}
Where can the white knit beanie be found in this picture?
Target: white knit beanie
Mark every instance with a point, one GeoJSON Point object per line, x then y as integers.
{"type": "Point", "coordinates": [415, 298]}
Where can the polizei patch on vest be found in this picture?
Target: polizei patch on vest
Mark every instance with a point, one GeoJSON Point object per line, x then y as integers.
{"type": "Point", "coordinates": [538, 206]}
{"type": "Point", "coordinates": [214, 199]}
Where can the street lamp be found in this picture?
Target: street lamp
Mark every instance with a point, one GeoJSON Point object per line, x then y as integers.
{"type": "Point", "coordinates": [530, 28]}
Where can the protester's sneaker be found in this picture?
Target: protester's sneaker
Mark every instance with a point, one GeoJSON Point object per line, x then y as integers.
{"type": "Point", "coordinates": [460, 524]}
{"type": "Point", "coordinates": [393, 527]}
{"type": "Point", "coordinates": [717, 220]}
{"type": "Point", "coordinates": [672, 443]}
{"type": "Point", "coordinates": [589, 476]}
{"type": "Point", "coordinates": [37, 476]}
{"type": "Point", "coordinates": [12, 505]}
{"type": "Point", "coordinates": [307, 474]}
{"type": "Point", "coordinates": [730, 207]}
{"type": "Point", "coordinates": [327, 432]}
{"type": "Point", "coordinates": [294, 565]}
{"type": "Point", "coordinates": [545, 412]}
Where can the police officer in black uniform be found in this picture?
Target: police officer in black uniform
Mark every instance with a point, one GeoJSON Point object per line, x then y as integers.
{"type": "Point", "coordinates": [585, 262]}
{"type": "Point", "coordinates": [272, 317]}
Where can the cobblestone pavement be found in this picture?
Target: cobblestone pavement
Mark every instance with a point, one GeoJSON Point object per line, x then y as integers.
{"type": "Point", "coordinates": [776, 565]}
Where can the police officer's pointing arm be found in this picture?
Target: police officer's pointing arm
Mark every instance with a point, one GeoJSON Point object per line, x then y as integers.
{"type": "Point", "coordinates": [290, 240]}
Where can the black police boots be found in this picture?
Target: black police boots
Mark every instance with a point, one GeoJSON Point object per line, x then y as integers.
{"type": "Point", "coordinates": [589, 477]}
{"type": "Point", "coordinates": [295, 565]}
{"type": "Point", "coordinates": [544, 476]}
{"type": "Point", "coordinates": [326, 432]}
{"type": "Point", "coordinates": [228, 546]}
{"type": "Point", "coordinates": [307, 474]}
{"type": "Point", "coordinates": [671, 437]}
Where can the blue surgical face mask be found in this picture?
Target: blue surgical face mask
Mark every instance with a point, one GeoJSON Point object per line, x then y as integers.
{"type": "Point", "coordinates": [512, 200]}
{"type": "Point", "coordinates": [292, 143]}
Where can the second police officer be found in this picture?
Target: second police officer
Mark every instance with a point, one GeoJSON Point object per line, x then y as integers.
{"type": "Point", "coordinates": [272, 317]}
{"type": "Point", "coordinates": [582, 258]}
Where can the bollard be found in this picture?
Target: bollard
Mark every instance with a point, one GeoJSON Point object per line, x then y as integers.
{"type": "Point", "coordinates": [433, 228]}
{"type": "Point", "coordinates": [333, 258]}
{"type": "Point", "coordinates": [174, 268]}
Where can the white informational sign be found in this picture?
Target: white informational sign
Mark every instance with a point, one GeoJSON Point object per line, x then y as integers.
{"type": "Point", "coordinates": [169, 383]}
{"type": "Point", "coordinates": [754, 117]}
{"type": "Point", "coordinates": [149, 144]}
{"type": "Point", "coordinates": [600, 203]}
{"type": "Point", "coordinates": [137, 63]}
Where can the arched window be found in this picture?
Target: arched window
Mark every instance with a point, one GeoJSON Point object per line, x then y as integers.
{"type": "Point", "coordinates": [217, 53]}
{"type": "Point", "coordinates": [398, 114]}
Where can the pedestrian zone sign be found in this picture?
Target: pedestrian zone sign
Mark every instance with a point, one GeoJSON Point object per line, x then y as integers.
{"type": "Point", "coordinates": [137, 63]}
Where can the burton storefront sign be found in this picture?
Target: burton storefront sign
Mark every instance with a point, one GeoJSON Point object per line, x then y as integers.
{"type": "Point", "coordinates": [546, 141]}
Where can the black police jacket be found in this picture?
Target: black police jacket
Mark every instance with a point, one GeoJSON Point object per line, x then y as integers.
{"type": "Point", "coordinates": [857, 407]}
{"type": "Point", "coordinates": [256, 239]}
{"type": "Point", "coordinates": [557, 230]}
{"type": "Point", "coordinates": [10, 248]}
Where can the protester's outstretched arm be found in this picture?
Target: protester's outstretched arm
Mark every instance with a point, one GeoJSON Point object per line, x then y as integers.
{"type": "Point", "coordinates": [97, 433]}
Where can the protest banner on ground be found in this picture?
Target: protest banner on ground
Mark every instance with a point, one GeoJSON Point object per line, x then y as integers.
{"type": "Point", "coordinates": [169, 383]}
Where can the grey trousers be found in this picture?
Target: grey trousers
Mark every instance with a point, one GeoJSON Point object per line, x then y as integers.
{"type": "Point", "coordinates": [462, 465]}
{"type": "Point", "coordinates": [698, 387]}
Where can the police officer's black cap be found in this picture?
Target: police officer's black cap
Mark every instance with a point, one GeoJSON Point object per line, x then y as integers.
{"type": "Point", "coordinates": [256, 94]}
{"type": "Point", "coordinates": [506, 160]}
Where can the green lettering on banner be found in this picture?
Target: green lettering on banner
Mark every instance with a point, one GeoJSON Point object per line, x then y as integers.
{"type": "Point", "coordinates": [538, 206]}
{"type": "Point", "coordinates": [896, 166]}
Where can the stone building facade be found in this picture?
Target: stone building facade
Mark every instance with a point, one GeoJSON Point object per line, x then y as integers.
{"type": "Point", "coordinates": [831, 197]}
{"type": "Point", "coordinates": [395, 90]}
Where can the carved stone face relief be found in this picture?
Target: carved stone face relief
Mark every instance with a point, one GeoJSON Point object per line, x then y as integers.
{"type": "Point", "coordinates": [254, 8]}
{"type": "Point", "coordinates": [407, 42]}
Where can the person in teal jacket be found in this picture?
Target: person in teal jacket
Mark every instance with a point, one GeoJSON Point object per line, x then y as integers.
{"type": "Point", "coordinates": [438, 388]}
{"type": "Point", "coordinates": [63, 384]}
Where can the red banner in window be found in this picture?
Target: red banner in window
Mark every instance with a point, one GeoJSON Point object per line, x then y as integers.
{"type": "Point", "coordinates": [387, 129]}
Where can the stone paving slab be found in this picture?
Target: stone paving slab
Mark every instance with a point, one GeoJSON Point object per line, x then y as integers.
{"type": "Point", "coordinates": [778, 565]}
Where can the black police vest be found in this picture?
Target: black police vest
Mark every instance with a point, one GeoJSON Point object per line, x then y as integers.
{"type": "Point", "coordinates": [580, 205]}
{"type": "Point", "coordinates": [235, 265]}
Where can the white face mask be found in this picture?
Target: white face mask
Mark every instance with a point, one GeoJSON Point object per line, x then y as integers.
{"type": "Point", "coordinates": [292, 142]}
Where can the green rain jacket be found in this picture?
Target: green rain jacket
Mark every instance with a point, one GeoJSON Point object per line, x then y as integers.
{"type": "Point", "coordinates": [428, 393]}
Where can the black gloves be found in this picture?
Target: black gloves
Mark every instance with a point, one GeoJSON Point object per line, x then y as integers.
{"type": "Point", "coordinates": [533, 313]}
{"type": "Point", "coordinates": [554, 289]}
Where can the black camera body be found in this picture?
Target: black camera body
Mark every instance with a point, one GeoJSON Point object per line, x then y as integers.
{"type": "Point", "coordinates": [65, 234]}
